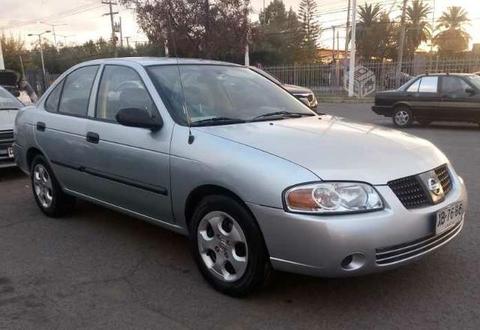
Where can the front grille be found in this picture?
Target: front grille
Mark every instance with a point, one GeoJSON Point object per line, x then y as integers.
{"type": "Point", "coordinates": [413, 193]}
{"type": "Point", "coordinates": [401, 252]}
{"type": "Point", "coordinates": [444, 177]}
{"type": "Point", "coordinates": [410, 192]}
{"type": "Point", "coordinates": [6, 136]}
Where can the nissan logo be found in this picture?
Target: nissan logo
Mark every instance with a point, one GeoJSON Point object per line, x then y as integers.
{"type": "Point", "coordinates": [434, 186]}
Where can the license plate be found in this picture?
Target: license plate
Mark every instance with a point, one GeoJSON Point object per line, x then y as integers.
{"type": "Point", "coordinates": [449, 217]}
{"type": "Point", "coordinates": [10, 152]}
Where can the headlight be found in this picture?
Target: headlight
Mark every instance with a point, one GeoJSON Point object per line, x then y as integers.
{"type": "Point", "coordinates": [333, 197]}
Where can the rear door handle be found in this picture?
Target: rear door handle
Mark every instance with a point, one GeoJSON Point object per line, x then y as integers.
{"type": "Point", "coordinates": [93, 137]}
{"type": "Point", "coordinates": [41, 126]}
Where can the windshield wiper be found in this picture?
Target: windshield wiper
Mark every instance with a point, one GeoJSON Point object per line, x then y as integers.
{"type": "Point", "coordinates": [217, 121]}
{"type": "Point", "coordinates": [281, 115]}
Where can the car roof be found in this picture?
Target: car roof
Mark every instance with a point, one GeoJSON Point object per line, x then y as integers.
{"type": "Point", "coordinates": [446, 74]}
{"type": "Point", "coordinates": [148, 61]}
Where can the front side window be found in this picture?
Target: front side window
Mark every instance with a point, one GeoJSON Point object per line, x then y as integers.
{"type": "Point", "coordinates": [414, 87]}
{"type": "Point", "coordinates": [218, 91]}
{"type": "Point", "coordinates": [51, 104]}
{"type": "Point", "coordinates": [121, 88]}
{"type": "Point", "coordinates": [428, 85]}
{"type": "Point", "coordinates": [76, 91]}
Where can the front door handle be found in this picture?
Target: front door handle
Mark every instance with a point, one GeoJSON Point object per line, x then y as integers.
{"type": "Point", "coordinates": [41, 126]}
{"type": "Point", "coordinates": [93, 137]}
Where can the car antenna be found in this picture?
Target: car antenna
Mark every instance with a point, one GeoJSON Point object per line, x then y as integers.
{"type": "Point", "coordinates": [191, 137]}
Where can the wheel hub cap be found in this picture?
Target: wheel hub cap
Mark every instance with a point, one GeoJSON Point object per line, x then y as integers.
{"type": "Point", "coordinates": [402, 117]}
{"type": "Point", "coordinates": [222, 246]}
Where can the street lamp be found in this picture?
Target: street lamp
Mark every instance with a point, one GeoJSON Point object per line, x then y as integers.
{"type": "Point", "coordinates": [39, 35]}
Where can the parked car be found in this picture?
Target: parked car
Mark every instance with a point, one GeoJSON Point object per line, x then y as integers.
{"type": "Point", "coordinates": [304, 94]}
{"type": "Point", "coordinates": [9, 106]}
{"type": "Point", "coordinates": [20, 88]}
{"type": "Point", "coordinates": [251, 175]}
{"type": "Point", "coordinates": [432, 97]}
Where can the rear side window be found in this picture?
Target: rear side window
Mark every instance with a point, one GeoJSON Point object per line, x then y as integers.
{"type": "Point", "coordinates": [121, 87]}
{"type": "Point", "coordinates": [454, 86]}
{"type": "Point", "coordinates": [51, 104]}
{"type": "Point", "coordinates": [428, 85]}
{"type": "Point", "coordinates": [76, 91]}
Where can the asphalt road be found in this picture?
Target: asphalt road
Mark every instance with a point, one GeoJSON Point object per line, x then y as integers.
{"type": "Point", "coordinates": [100, 269]}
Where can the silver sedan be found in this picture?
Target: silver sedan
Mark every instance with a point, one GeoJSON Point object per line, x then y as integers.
{"type": "Point", "coordinates": [251, 175]}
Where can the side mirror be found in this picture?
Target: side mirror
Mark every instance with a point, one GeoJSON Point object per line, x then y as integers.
{"type": "Point", "coordinates": [470, 91]}
{"type": "Point", "coordinates": [134, 117]}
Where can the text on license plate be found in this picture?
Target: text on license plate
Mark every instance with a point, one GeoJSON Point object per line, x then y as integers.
{"type": "Point", "coordinates": [448, 217]}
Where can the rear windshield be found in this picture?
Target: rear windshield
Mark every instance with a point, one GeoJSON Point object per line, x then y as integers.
{"type": "Point", "coordinates": [8, 101]}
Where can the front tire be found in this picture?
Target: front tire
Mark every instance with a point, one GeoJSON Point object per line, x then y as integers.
{"type": "Point", "coordinates": [48, 194]}
{"type": "Point", "coordinates": [402, 116]}
{"type": "Point", "coordinates": [228, 246]}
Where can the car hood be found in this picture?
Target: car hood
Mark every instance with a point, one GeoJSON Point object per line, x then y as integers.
{"type": "Point", "coordinates": [7, 119]}
{"type": "Point", "coordinates": [296, 89]}
{"type": "Point", "coordinates": [336, 149]}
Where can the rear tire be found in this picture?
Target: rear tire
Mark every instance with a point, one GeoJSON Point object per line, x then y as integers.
{"type": "Point", "coordinates": [228, 246]}
{"type": "Point", "coordinates": [48, 194]}
{"type": "Point", "coordinates": [402, 116]}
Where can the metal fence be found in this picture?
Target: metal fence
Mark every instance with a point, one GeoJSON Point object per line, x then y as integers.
{"type": "Point", "coordinates": [332, 79]}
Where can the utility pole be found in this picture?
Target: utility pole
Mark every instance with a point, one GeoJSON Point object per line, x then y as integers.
{"type": "Point", "coordinates": [128, 43]}
{"type": "Point", "coordinates": [347, 28]}
{"type": "Point", "coordinates": [333, 45]}
{"type": "Point", "coordinates": [120, 30]}
{"type": "Point", "coordinates": [111, 13]}
{"type": "Point", "coordinates": [39, 35]}
{"type": "Point", "coordinates": [401, 44]}
{"type": "Point", "coordinates": [351, 73]}
{"type": "Point", "coordinates": [2, 63]}
{"type": "Point", "coordinates": [53, 31]}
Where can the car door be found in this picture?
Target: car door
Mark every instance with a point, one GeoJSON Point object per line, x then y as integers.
{"type": "Point", "coordinates": [60, 129]}
{"type": "Point", "coordinates": [457, 103]}
{"type": "Point", "coordinates": [424, 97]}
{"type": "Point", "coordinates": [130, 165]}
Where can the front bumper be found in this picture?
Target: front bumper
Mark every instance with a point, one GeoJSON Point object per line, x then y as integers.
{"type": "Point", "coordinates": [317, 245]}
{"type": "Point", "coordinates": [5, 159]}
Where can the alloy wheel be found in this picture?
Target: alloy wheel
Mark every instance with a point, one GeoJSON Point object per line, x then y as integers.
{"type": "Point", "coordinates": [222, 246]}
{"type": "Point", "coordinates": [402, 117]}
{"type": "Point", "coordinates": [42, 183]}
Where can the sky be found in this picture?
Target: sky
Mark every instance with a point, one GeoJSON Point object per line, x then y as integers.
{"type": "Point", "coordinates": [81, 20]}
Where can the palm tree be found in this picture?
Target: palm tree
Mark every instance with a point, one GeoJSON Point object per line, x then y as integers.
{"type": "Point", "coordinates": [374, 31]}
{"type": "Point", "coordinates": [417, 26]}
{"type": "Point", "coordinates": [452, 38]}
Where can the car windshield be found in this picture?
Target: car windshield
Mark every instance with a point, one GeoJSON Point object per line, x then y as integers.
{"type": "Point", "coordinates": [8, 101]}
{"type": "Point", "coordinates": [475, 80]}
{"type": "Point", "coordinates": [220, 94]}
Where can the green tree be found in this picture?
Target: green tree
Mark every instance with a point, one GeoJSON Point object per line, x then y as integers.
{"type": "Point", "coordinates": [417, 26]}
{"type": "Point", "coordinates": [277, 36]}
{"type": "Point", "coordinates": [13, 48]}
{"type": "Point", "coordinates": [195, 28]}
{"type": "Point", "coordinates": [310, 28]}
{"type": "Point", "coordinates": [452, 37]}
